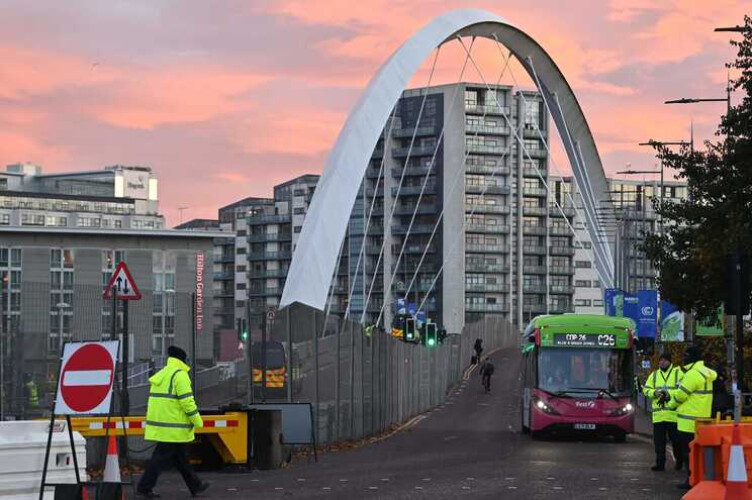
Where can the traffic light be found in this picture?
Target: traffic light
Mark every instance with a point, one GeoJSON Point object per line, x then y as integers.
{"type": "Point", "coordinates": [431, 337]}
{"type": "Point", "coordinates": [410, 334]}
{"type": "Point", "coordinates": [242, 329]}
{"type": "Point", "coordinates": [442, 335]}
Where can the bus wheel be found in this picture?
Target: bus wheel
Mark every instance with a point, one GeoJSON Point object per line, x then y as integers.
{"type": "Point", "coordinates": [620, 437]}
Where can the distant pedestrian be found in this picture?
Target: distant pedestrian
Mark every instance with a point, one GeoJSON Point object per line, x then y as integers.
{"type": "Point", "coordinates": [478, 347]}
{"type": "Point", "coordinates": [486, 372]}
{"type": "Point", "coordinates": [171, 417]}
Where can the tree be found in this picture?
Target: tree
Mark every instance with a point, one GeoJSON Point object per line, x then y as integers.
{"type": "Point", "coordinates": [716, 218]}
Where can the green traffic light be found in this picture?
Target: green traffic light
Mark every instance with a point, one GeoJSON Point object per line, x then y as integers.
{"type": "Point", "coordinates": [431, 342]}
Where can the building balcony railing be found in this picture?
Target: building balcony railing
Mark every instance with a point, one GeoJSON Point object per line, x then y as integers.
{"type": "Point", "coordinates": [415, 190]}
{"type": "Point", "coordinates": [486, 228]}
{"type": "Point", "coordinates": [414, 152]}
{"type": "Point", "coordinates": [561, 250]}
{"type": "Point", "coordinates": [422, 209]}
{"type": "Point", "coordinates": [487, 209]}
{"type": "Point", "coordinates": [413, 171]}
{"type": "Point", "coordinates": [486, 308]}
{"type": "Point", "coordinates": [270, 256]}
{"type": "Point", "coordinates": [473, 267]}
{"type": "Point", "coordinates": [560, 231]}
{"type": "Point", "coordinates": [487, 189]}
{"type": "Point", "coordinates": [561, 270]}
{"type": "Point", "coordinates": [482, 109]}
{"type": "Point", "coordinates": [478, 248]}
{"type": "Point", "coordinates": [371, 192]}
{"type": "Point", "coordinates": [486, 287]}
{"type": "Point", "coordinates": [534, 308]}
{"type": "Point", "coordinates": [269, 273]}
{"type": "Point", "coordinates": [416, 229]}
{"type": "Point", "coordinates": [530, 288]}
{"type": "Point", "coordinates": [555, 212]}
{"type": "Point", "coordinates": [538, 153]}
{"type": "Point", "coordinates": [540, 211]}
{"type": "Point", "coordinates": [534, 269]}
{"type": "Point", "coordinates": [281, 236]}
{"type": "Point", "coordinates": [224, 276]}
{"type": "Point", "coordinates": [534, 230]}
{"type": "Point", "coordinates": [533, 133]}
{"type": "Point", "coordinates": [486, 130]}
{"type": "Point", "coordinates": [561, 289]}
{"type": "Point", "coordinates": [534, 250]}
{"type": "Point", "coordinates": [225, 258]}
{"type": "Point", "coordinates": [416, 249]}
{"type": "Point", "coordinates": [532, 172]}
{"type": "Point", "coordinates": [531, 191]}
{"type": "Point", "coordinates": [410, 131]}
{"type": "Point", "coordinates": [265, 292]}
{"type": "Point", "coordinates": [487, 149]}
{"type": "Point", "coordinates": [472, 168]}
{"type": "Point", "coordinates": [269, 219]}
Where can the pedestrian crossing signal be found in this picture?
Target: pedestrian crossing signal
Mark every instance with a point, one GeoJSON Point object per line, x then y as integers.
{"type": "Point", "coordinates": [431, 335]}
{"type": "Point", "coordinates": [242, 329]}
{"type": "Point", "coordinates": [410, 334]}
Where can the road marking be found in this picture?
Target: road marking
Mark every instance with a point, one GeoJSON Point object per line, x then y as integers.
{"type": "Point", "coordinates": [509, 478]}
{"type": "Point", "coordinates": [470, 478]}
{"type": "Point", "coordinates": [645, 489]}
{"type": "Point", "coordinates": [385, 479]}
{"type": "Point", "coordinates": [343, 480]}
{"type": "Point", "coordinates": [593, 478]}
{"type": "Point", "coordinates": [279, 488]}
{"type": "Point", "coordinates": [511, 487]}
{"type": "Point", "coordinates": [232, 489]}
{"type": "Point", "coordinates": [426, 479]}
{"type": "Point", "coordinates": [301, 480]}
{"type": "Point", "coordinates": [419, 487]}
{"type": "Point", "coordinates": [484, 404]}
{"type": "Point", "coordinates": [373, 487]}
{"type": "Point", "coordinates": [558, 488]}
{"type": "Point", "coordinates": [603, 489]}
{"type": "Point", "coordinates": [449, 438]}
{"type": "Point", "coordinates": [466, 487]}
{"type": "Point", "coordinates": [326, 488]}
{"type": "Point", "coordinates": [551, 478]}
{"type": "Point", "coordinates": [634, 479]}
{"type": "Point", "coordinates": [255, 480]}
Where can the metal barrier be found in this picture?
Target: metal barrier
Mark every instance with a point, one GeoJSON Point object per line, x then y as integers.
{"type": "Point", "coordinates": [228, 433]}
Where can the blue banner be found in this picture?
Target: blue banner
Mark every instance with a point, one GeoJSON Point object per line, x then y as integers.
{"type": "Point", "coordinates": [672, 323]}
{"type": "Point", "coordinates": [647, 321]}
{"type": "Point", "coordinates": [631, 307]}
{"type": "Point", "coordinates": [613, 301]}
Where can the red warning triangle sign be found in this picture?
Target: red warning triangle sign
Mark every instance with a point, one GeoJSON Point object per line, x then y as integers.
{"type": "Point", "coordinates": [123, 284]}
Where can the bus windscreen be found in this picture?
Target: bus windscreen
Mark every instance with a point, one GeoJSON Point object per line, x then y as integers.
{"type": "Point", "coordinates": [585, 371]}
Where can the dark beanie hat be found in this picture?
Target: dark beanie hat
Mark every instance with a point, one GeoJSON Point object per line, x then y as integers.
{"type": "Point", "coordinates": [692, 354]}
{"type": "Point", "coordinates": [176, 352]}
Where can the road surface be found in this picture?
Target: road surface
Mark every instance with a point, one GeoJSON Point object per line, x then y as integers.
{"type": "Point", "coordinates": [470, 447]}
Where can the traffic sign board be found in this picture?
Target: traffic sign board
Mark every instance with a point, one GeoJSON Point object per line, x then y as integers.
{"type": "Point", "coordinates": [86, 377]}
{"type": "Point", "coordinates": [123, 284]}
{"type": "Point", "coordinates": [270, 316]}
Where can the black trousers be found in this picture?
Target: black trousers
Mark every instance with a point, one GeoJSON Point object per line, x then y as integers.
{"type": "Point", "coordinates": [683, 439]}
{"type": "Point", "coordinates": [164, 456]}
{"type": "Point", "coordinates": [661, 432]}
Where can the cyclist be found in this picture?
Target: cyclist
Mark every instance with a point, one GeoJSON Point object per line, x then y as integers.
{"type": "Point", "coordinates": [486, 371]}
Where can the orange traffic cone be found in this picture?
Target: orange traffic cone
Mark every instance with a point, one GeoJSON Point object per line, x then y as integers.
{"type": "Point", "coordinates": [736, 476]}
{"type": "Point", "coordinates": [111, 465]}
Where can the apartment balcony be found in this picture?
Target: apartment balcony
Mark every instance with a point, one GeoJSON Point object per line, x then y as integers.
{"type": "Point", "coordinates": [415, 229]}
{"type": "Point", "coordinates": [560, 308]}
{"type": "Point", "coordinates": [555, 212]}
{"type": "Point", "coordinates": [487, 189]}
{"type": "Point", "coordinates": [271, 273]}
{"type": "Point", "coordinates": [224, 276]}
{"type": "Point", "coordinates": [475, 248]}
{"type": "Point", "coordinates": [415, 190]}
{"type": "Point", "coordinates": [534, 133]}
{"type": "Point", "coordinates": [530, 288]}
{"type": "Point", "coordinates": [534, 308]}
{"type": "Point", "coordinates": [227, 258]}
{"type": "Point", "coordinates": [560, 231]}
{"type": "Point", "coordinates": [538, 192]}
{"type": "Point", "coordinates": [472, 267]}
{"type": "Point", "coordinates": [378, 153]}
{"type": "Point", "coordinates": [536, 153]}
{"type": "Point", "coordinates": [561, 289]}
{"type": "Point", "coordinates": [415, 152]}
{"type": "Point", "coordinates": [534, 230]}
{"type": "Point", "coordinates": [486, 287]}
{"type": "Point", "coordinates": [281, 236]}
{"type": "Point", "coordinates": [422, 209]}
{"type": "Point", "coordinates": [487, 308]}
{"type": "Point", "coordinates": [413, 171]}
{"type": "Point", "coordinates": [487, 209]}
{"type": "Point", "coordinates": [562, 270]}
{"type": "Point", "coordinates": [412, 131]}
{"type": "Point", "coordinates": [561, 251]}
{"type": "Point", "coordinates": [482, 109]}
{"type": "Point", "coordinates": [487, 150]}
{"type": "Point", "coordinates": [254, 220]}
{"type": "Point", "coordinates": [534, 269]}
{"type": "Point", "coordinates": [534, 250]}
{"type": "Point", "coordinates": [417, 250]}
{"type": "Point", "coordinates": [270, 256]}
{"type": "Point", "coordinates": [486, 228]}
{"type": "Point", "coordinates": [538, 211]}
{"type": "Point", "coordinates": [486, 169]}
{"type": "Point", "coordinates": [531, 172]}
{"type": "Point", "coordinates": [472, 129]}
{"type": "Point", "coordinates": [265, 292]}
{"type": "Point", "coordinates": [371, 192]}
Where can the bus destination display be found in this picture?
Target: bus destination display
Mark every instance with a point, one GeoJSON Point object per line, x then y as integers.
{"type": "Point", "coordinates": [604, 340]}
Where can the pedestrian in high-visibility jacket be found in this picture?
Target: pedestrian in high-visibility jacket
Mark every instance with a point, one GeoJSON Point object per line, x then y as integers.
{"type": "Point", "coordinates": [171, 417]}
{"type": "Point", "coordinates": [666, 377]}
{"type": "Point", "coordinates": [692, 400]}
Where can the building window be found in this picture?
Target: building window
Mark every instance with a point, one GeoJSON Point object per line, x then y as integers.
{"type": "Point", "coordinates": [583, 264]}
{"type": "Point", "coordinates": [241, 250]}
{"type": "Point", "coordinates": [582, 283]}
{"type": "Point", "coordinates": [164, 301]}
{"type": "Point", "coordinates": [61, 298]}
{"type": "Point", "coordinates": [582, 303]}
{"type": "Point", "coordinates": [597, 303]}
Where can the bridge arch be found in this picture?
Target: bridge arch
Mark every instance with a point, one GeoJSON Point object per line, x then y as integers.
{"type": "Point", "coordinates": [315, 257]}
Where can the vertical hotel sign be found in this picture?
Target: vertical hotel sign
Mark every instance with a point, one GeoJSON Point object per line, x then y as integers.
{"type": "Point", "coordinates": [199, 292]}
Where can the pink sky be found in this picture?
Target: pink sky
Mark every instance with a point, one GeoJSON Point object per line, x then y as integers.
{"type": "Point", "coordinates": [226, 98]}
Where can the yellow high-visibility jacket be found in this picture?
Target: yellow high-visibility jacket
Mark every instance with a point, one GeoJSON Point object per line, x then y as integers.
{"type": "Point", "coordinates": [172, 413]}
{"type": "Point", "coordinates": [693, 399]}
{"type": "Point", "coordinates": [665, 380]}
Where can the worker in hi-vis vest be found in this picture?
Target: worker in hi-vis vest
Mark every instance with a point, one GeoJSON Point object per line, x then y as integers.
{"type": "Point", "coordinates": [666, 377]}
{"type": "Point", "coordinates": [171, 417]}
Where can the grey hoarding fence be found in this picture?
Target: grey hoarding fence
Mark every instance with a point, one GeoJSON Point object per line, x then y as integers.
{"type": "Point", "coordinates": [362, 385]}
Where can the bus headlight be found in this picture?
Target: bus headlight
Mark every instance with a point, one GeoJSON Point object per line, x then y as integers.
{"type": "Point", "coordinates": [545, 407]}
{"type": "Point", "coordinates": [624, 410]}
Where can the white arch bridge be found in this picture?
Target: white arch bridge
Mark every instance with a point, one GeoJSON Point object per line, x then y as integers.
{"type": "Point", "coordinates": [316, 257]}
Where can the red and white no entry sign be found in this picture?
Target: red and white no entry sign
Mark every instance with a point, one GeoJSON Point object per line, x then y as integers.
{"type": "Point", "coordinates": [86, 376]}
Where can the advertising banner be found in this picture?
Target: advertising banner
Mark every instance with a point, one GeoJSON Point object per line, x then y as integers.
{"type": "Point", "coordinates": [613, 300]}
{"type": "Point", "coordinates": [631, 307]}
{"type": "Point", "coordinates": [672, 323]}
{"type": "Point", "coordinates": [712, 327]}
{"type": "Point", "coordinates": [647, 321]}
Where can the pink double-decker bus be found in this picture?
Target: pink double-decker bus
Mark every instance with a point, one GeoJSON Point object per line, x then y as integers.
{"type": "Point", "coordinates": [577, 375]}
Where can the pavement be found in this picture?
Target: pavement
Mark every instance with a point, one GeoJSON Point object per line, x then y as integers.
{"type": "Point", "coordinates": [469, 447]}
